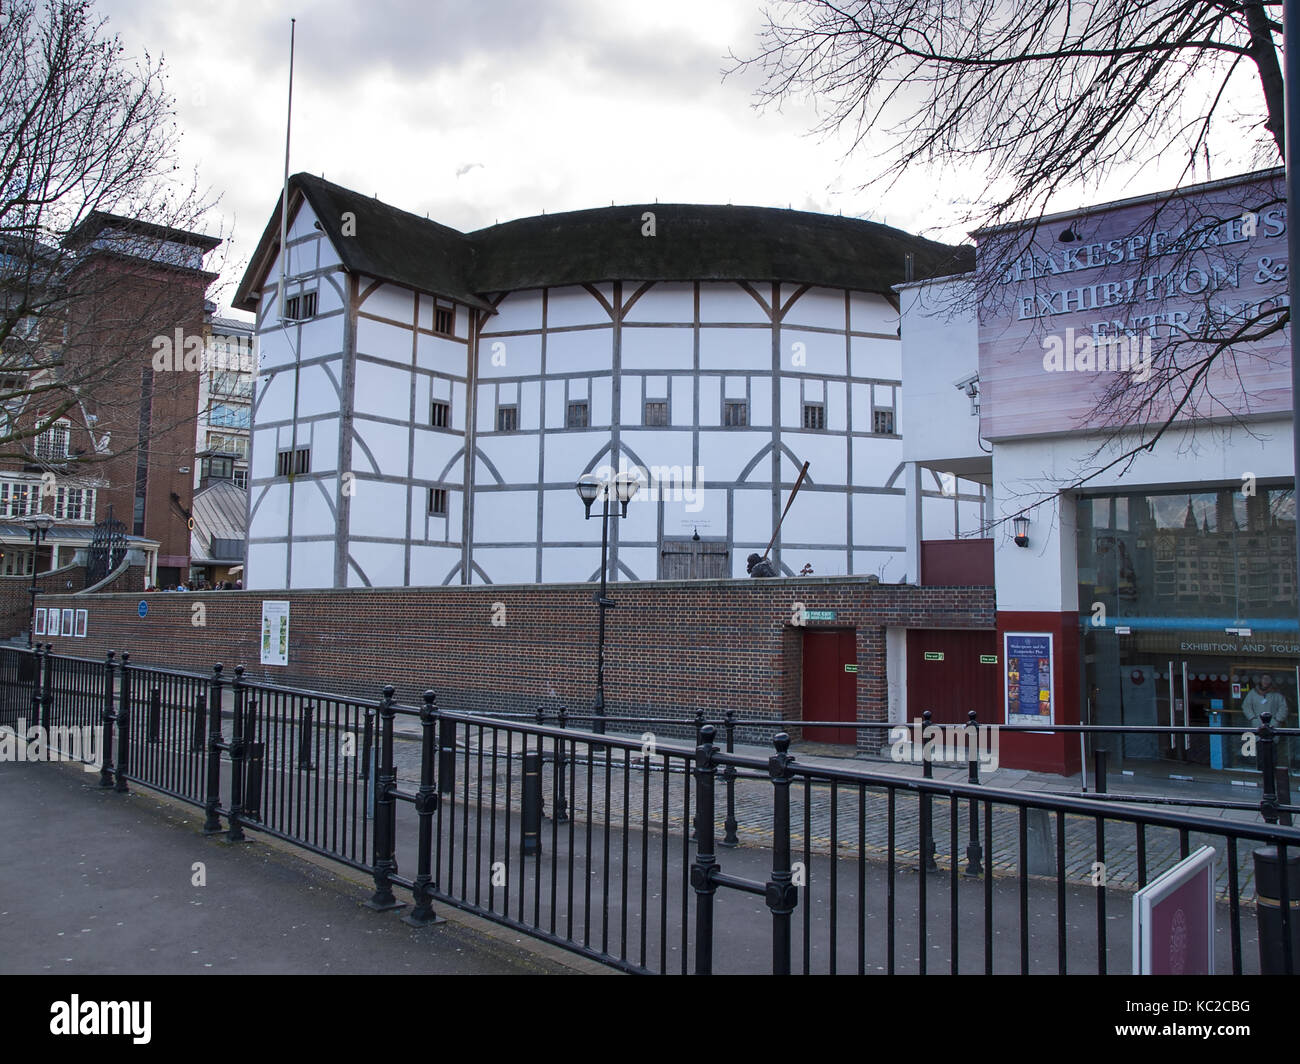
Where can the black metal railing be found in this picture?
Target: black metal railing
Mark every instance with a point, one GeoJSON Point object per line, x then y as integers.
{"type": "Point", "coordinates": [608, 844]}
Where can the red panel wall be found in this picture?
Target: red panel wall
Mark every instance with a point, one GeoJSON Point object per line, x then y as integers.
{"type": "Point", "coordinates": [1056, 752]}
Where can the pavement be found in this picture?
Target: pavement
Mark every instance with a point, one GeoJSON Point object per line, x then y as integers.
{"type": "Point", "coordinates": [94, 882]}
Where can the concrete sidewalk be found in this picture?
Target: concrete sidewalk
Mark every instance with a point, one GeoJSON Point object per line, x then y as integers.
{"type": "Point", "coordinates": [93, 882]}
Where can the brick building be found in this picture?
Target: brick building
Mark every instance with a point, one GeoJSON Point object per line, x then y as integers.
{"type": "Point", "coordinates": [117, 420]}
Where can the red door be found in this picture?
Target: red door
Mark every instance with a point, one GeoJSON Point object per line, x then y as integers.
{"type": "Point", "coordinates": [829, 691]}
{"type": "Point", "coordinates": [952, 672]}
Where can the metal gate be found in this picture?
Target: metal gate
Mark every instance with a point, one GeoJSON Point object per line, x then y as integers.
{"type": "Point", "coordinates": [107, 549]}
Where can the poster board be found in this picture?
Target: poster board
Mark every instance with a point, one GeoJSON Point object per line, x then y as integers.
{"type": "Point", "coordinates": [275, 633]}
{"type": "Point", "coordinates": [1027, 678]}
{"type": "Point", "coordinates": [1173, 919]}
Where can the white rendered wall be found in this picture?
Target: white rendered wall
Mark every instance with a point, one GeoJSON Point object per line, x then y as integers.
{"type": "Point", "coordinates": [1043, 576]}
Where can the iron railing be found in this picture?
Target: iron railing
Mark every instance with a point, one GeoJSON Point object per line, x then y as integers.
{"type": "Point", "coordinates": [607, 844]}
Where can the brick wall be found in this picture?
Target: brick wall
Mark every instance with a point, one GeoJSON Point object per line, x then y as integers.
{"type": "Point", "coordinates": [16, 598]}
{"type": "Point", "coordinates": [671, 647]}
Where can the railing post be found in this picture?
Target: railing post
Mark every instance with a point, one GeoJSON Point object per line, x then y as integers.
{"type": "Point", "coordinates": [47, 697]}
{"type": "Point", "coordinates": [729, 837]}
{"type": "Point", "coordinates": [385, 863]}
{"type": "Point", "coordinates": [446, 755]}
{"type": "Point", "coordinates": [1099, 772]}
{"type": "Point", "coordinates": [212, 807]}
{"type": "Point", "coordinates": [974, 852]}
{"type": "Point", "coordinates": [1282, 788]}
{"type": "Point", "coordinates": [699, 739]}
{"type": "Point", "coordinates": [782, 894]}
{"type": "Point", "coordinates": [235, 833]}
{"type": "Point", "coordinates": [705, 866]}
{"type": "Point", "coordinates": [530, 826]}
{"type": "Point", "coordinates": [540, 717]}
{"type": "Point", "coordinates": [426, 804]}
{"type": "Point", "coordinates": [305, 723]}
{"type": "Point", "coordinates": [561, 805]}
{"type": "Point", "coordinates": [124, 724]}
{"type": "Point", "coordinates": [1266, 752]}
{"type": "Point", "coordinates": [106, 737]}
{"type": "Point", "coordinates": [155, 715]}
{"type": "Point", "coordinates": [36, 688]}
{"type": "Point", "coordinates": [925, 852]}
{"type": "Point", "coordinates": [254, 763]}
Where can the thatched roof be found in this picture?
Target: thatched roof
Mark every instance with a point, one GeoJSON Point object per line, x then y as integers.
{"type": "Point", "coordinates": [692, 242]}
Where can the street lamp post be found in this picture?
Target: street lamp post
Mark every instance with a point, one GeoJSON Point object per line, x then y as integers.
{"type": "Point", "coordinates": [37, 527]}
{"type": "Point", "coordinates": [625, 485]}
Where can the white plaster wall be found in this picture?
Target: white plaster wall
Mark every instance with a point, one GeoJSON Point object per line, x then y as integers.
{"type": "Point", "coordinates": [940, 346]}
{"type": "Point", "coordinates": [579, 352]}
{"type": "Point", "coordinates": [574, 305]}
{"type": "Point", "coordinates": [727, 301]}
{"type": "Point", "coordinates": [896, 674]}
{"type": "Point", "coordinates": [1043, 575]}
{"type": "Point", "coordinates": [816, 353]}
{"type": "Point", "coordinates": [869, 312]}
{"type": "Point", "coordinates": [731, 349]}
{"type": "Point", "coordinates": [657, 348]}
{"type": "Point", "coordinates": [384, 564]}
{"type": "Point", "coordinates": [378, 509]}
{"type": "Point", "coordinates": [871, 356]}
{"type": "Point", "coordinates": [313, 564]}
{"type": "Point", "coordinates": [266, 566]}
{"type": "Point", "coordinates": [823, 307]}
{"type": "Point", "coordinates": [518, 310]}
{"type": "Point", "coordinates": [665, 301]}
{"type": "Point", "coordinates": [510, 356]}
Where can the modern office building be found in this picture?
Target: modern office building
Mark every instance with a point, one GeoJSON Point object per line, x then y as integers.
{"type": "Point", "coordinates": [1117, 376]}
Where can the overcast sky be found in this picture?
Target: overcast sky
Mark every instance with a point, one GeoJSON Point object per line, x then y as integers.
{"type": "Point", "coordinates": [489, 110]}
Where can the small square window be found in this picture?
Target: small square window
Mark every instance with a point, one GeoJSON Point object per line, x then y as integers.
{"type": "Point", "coordinates": [883, 422]}
{"type": "Point", "coordinates": [444, 320]}
{"type": "Point", "coordinates": [440, 414]}
{"type": "Point", "coordinates": [814, 416]}
{"type": "Point", "coordinates": [735, 412]}
{"type": "Point", "coordinates": [507, 418]}
{"type": "Point", "coordinates": [293, 463]}
{"type": "Point", "coordinates": [656, 412]}
{"type": "Point", "coordinates": [576, 416]}
{"type": "Point", "coordinates": [291, 307]}
{"type": "Point", "coordinates": [438, 502]}
{"type": "Point", "coordinates": [309, 305]}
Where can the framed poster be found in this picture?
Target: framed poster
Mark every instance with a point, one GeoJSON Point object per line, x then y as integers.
{"type": "Point", "coordinates": [67, 622]}
{"type": "Point", "coordinates": [1028, 677]}
{"type": "Point", "coordinates": [82, 617]}
{"type": "Point", "coordinates": [38, 625]}
{"type": "Point", "coordinates": [275, 633]}
{"type": "Point", "coordinates": [52, 622]}
{"type": "Point", "coordinates": [1173, 919]}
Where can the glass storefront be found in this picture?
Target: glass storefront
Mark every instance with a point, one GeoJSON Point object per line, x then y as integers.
{"type": "Point", "coordinates": [1187, 607]}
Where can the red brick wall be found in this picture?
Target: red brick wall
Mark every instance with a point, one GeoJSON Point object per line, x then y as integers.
{"type": "Point", "coordinates": [671, 647]}
{"type": "Point", "coordinates": [16, 599]}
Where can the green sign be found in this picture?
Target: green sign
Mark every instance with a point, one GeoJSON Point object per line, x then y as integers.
{"type": "Point", "coordinates": [934, 655]}
{"type": "Point", "coordinates": [850, 668]}
{"type": "Point", "coordinates": [819, 615]}
{"type": "Point", "coordinates": [988, 659]}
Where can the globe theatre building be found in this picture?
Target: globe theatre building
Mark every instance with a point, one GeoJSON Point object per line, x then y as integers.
{"type": "Point", "coordinates": [426, 399]}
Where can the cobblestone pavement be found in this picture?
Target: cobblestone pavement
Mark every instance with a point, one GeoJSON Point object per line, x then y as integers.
{"type": "Point", "coordinates": [848, 819]}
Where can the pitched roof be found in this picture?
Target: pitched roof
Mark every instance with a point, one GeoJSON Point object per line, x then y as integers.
{"type": "Point", "coordinates": [220, 512]}
{"type": "Point", "coordinates": [691, 242]}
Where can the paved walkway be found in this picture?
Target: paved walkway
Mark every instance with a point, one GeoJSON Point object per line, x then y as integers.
{"type": "Point", "coordinates": [93, 882]}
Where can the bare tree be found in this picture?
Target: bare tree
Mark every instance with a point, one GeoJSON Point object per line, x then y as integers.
{"type": "Point", "coordinates": [85, 131]}
{"type": "Point", "coordinates": [1044, 96]}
